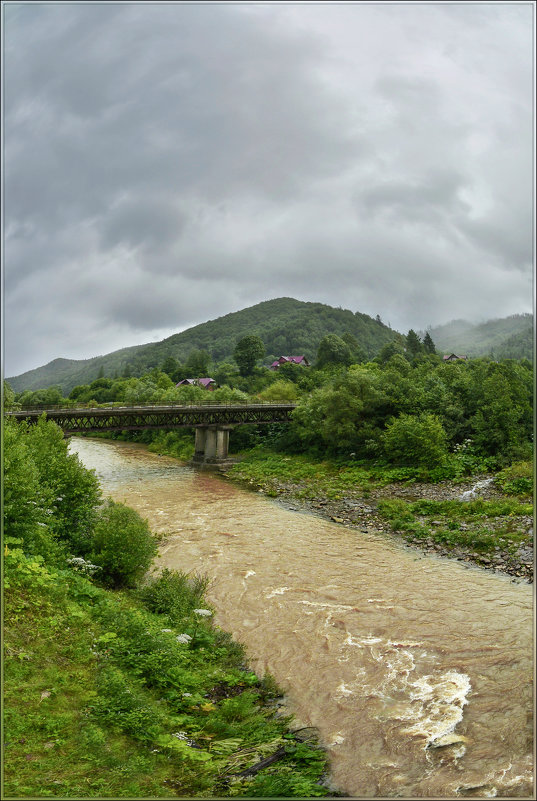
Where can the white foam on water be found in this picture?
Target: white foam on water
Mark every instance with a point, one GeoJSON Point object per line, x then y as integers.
{"type": "Point", "coordinates": [278, 591]}
{"type": "Point", "coordinates": [343, 690]}
{"type": "Point", "coordinates": [471, 493]}
{"type": "Point", "coordinates": [440, 702]}
{"type": "Point", "coordinates": [432, 704]}
{"type": "Point", "coordinates": [249, 573]}
{"type": "Point", "coordinates": [359, 643]}
{"type": "Point", "coordinates": [334, 607]}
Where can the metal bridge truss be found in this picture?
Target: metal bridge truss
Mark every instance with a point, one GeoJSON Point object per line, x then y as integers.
{"type": "Point", "coordinates": [136, 418]}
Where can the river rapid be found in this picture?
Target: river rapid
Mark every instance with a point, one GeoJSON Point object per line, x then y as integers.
{"type": "Point", "coordinates": [416, 671]}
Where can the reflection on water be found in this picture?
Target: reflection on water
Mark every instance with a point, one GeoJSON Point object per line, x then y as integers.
{"type": "Point", "coordinates": [416, 671]}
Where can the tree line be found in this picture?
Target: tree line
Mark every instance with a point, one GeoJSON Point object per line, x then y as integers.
{"type": "Point", "coordinates": [406, 406]}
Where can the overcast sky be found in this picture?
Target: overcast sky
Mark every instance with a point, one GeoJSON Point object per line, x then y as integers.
{"type": "Point", "coordinates": [166, 164]}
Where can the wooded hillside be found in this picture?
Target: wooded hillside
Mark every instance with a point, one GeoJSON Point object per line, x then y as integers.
{"type": "Point", "coordinates": [286, 326]}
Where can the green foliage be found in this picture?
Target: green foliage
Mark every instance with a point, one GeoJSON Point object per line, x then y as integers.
{"type": "Point", "coordinates": [517, 479]}
{"type": "Point", "coordinates": [74, 490]}
{"type": "Point", "coordinates": [280, 391]}
{"type": "Point", "coordinates": [179, 444]}
{"type": "Point", "coordinates": [174, 594]}
{"type": "Point", "coordinates": [332, 351]}
{"type": "Point", "coordinates": [46, 398]}
{"type": "Point", "coordinates": [428, 343]}
{"type": "Point", "coordinates": [479, 525]}
{"type": "Point", "coordinates": [247, 352]}
{"type": "Point", "coordinates": [340, 417]}
{"type": "Point", "coordinates": [415, 440]}
{"type": "Point", "coordinates": [197, 364]}
{"type": "Point", "coordinates": [389, 350]}
{"type": "Point", "coordinates": [122, 545]}
{"type": "Point", "coordinates": [49, 497]}
{"type": "Point", "coordinates": [414, 345]}
{"type": "Point", "coordinates": [8, 397]}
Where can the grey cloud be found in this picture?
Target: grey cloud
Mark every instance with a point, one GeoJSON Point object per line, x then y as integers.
{"type": "Point", "coordinates": [149, 222]}
{"type": "Point", "coordinates": [432, 197]}
{"type": "Point", "coordinates": [169, 163]}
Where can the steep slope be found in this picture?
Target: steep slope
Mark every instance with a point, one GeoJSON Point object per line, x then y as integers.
{"type": "Point", "coordinates": [286, 326]}
{"type": "Point", "coordinates": [508, 337]}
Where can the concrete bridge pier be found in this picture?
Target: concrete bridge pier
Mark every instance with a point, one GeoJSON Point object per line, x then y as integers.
{"type": "Point", "coordinates": [211, 446]}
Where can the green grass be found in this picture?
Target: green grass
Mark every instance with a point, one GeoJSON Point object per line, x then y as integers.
{"type": "Point", "coordinates": [102, 700]}
{"type": "Point", "coordinates": [480, 525]}
{"type": "Point", "coordinates": [302, 475]}
{"type": "Point", "coordinates": [517, 479]}
{"type": "Point", "coordinates": [308, 477]}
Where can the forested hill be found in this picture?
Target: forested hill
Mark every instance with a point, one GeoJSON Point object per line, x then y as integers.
{"type": "Point", "coordinates": [286, 326]}
{"type": "Point", "coordinates": [506, 338]}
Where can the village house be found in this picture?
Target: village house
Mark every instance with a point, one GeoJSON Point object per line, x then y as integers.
{"type": "Point", "coordinates": [206, 383]}
{"type": "Point", "coordinates": [454, 358]}
{"type": "Point", "coordinates": [289, 360]}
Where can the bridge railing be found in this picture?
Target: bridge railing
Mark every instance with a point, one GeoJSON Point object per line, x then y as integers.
{"type": "Point", "coordinates": [46, 407]}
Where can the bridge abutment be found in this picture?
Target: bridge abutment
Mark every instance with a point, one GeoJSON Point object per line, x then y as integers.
{"type": "Point", "coordinates": [211, 446]}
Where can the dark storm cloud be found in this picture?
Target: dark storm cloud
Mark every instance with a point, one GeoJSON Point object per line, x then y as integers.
{"type": "Point", "coordinates": [170, 163]}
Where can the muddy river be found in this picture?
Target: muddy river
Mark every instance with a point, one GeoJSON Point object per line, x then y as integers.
{"type": "Point", "coordinates": [416, 671]}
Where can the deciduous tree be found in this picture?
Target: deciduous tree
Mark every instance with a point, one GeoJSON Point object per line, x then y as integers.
{"type": "Point", "coordinates": [247, 352]}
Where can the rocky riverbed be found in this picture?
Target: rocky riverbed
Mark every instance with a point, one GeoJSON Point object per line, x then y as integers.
{"type": "Point", "coordinates": [359, 511]}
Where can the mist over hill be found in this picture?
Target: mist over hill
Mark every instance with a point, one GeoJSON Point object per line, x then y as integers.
{"type": "Point", "coordinates": [286, 326]}
{"type": "Point", "coordinates": [505, 338]}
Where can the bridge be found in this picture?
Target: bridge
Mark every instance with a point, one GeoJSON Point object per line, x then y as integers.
{"type": "Point", "coordinates": [212, 421]}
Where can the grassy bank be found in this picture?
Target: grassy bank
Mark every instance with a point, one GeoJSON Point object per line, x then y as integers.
{"type": "Point", "coordinates": [136, 694]}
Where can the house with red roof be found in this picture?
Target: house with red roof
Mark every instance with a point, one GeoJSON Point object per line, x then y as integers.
{"type": "Point", "coordinates": [289, 360]}
{"type": "Point", "coordinates": [206, 383]}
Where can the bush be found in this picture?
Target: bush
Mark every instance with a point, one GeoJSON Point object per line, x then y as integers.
{"type": "Point", "coordinates": [174, 594]}
{"type": "Point", "coordinates": [284, 391]}
{"type": "Point", "coordinates": [517, 479]}
{"type": "Point", "coordinates": [122, 545]}
{"type": "Point", "coordinates": [416, 440]}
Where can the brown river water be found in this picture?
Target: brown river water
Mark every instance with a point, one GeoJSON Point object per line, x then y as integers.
{"type": "Point", "coordinates": [416, 671]}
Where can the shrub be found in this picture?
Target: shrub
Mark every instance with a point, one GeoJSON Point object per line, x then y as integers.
{"type": "Point", "coordinates": [174, 594]}
{"type": "Point", "coordinates": [416, 440]}
{"type": "Point", "coordinates": [28, 502]}
{"type": "Point", "coordinates": [517, 479]}
{"type": "Point", "coordinates": [122, 545]}
{"type": "Point", "coordinates": [280, 391]}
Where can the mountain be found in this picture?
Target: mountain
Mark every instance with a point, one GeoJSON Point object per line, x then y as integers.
{"type": "Point", "coordinates": [505, 338]}
{"type": "Point", "coordinates": [287, 327]}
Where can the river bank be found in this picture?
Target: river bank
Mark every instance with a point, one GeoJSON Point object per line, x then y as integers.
{"type": "Point", "coordinates": [363, 510]}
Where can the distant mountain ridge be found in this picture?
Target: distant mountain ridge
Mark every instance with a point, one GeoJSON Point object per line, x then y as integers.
{"type": "Point", "coordinates": [286, 326]}
{"type": "Point", "coordinates": [505, 338]}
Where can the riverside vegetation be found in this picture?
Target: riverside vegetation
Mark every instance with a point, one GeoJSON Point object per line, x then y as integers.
{"type": "Point", "coordinates": [370, 439]}
{"type": "Point", "coordinates": [116, 685]}
{"type": "Point", "coordinates": [390, 443]}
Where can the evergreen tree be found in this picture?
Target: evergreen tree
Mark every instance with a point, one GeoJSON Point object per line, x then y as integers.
{"type": "Point", "coordinates": [428, 343]}
{"type": "Point", "coordinates": [413, 343]}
